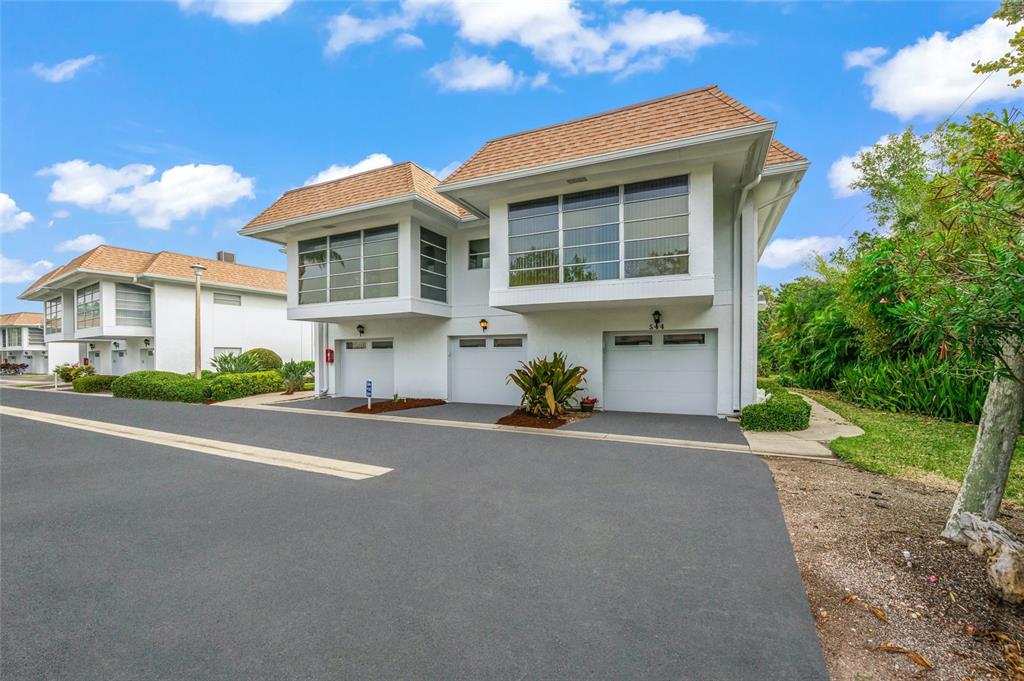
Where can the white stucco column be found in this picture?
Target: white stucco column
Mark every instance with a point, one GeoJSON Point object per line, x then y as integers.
{"type": "Point", "coordinates": [748, 303]}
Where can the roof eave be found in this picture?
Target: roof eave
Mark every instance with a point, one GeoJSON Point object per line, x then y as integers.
{"type": "Point", "coordinates": [218, 284]}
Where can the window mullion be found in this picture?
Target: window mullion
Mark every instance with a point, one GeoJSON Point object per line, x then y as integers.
{"type": "Point", "coordinates": [622, 231]}
{"type": "Point", "coordinates": [561, 241]}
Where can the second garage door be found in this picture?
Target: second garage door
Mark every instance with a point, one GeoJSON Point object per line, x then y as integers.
{"type": "Point", "coordinates": [366, 360]}
{"type": "Point", "coordinates": [668, 372]}
{"type": "Point", "coordinates": [479, 366]}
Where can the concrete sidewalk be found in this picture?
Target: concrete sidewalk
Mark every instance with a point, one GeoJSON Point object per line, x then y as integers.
{"type": "Point", "coordinates": [825, 426]}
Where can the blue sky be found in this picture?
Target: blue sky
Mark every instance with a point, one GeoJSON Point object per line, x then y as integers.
{"type": "Point", "coordinates": [167, 125]}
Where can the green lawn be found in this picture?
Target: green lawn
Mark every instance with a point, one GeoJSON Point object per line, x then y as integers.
{"type": "Point", "coordinates": [902, 444]}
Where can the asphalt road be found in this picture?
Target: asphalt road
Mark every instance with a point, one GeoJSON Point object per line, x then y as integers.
{"type": "Point", "coordinates": [482, 555]}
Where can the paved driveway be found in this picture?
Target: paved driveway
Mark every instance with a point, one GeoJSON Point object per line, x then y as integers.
{"type": "Point", "coordinates": [482, 555]}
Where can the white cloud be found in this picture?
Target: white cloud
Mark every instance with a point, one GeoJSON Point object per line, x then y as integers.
{"type": "Point", "coordinates": [782, 253]}
{"type": "Point", "coordinates": [863, 58]}
{"type": "Point", "coordinates": [80, 244]}
{"type": "Point", "coordinates": [842, 173]}
{"type": "Point", "coordinates": [14, 271]}
{"type": "Point", "coordinates": [335, 171]}
{"type": "Point", "coordinates": [66, 70]}
{"type": "Point", "coordinates": [933, 76]}
{"type": "Point", "coordinates": [557, 32]}
{"type": "Point", "coordinates": [179, 192]}
{"type": "Point", "coordinates": [12, 218]}
{"type": "Point", "coordinates": [461, 74]}
{"type": "Point", "coordinates": [542, 79]}
{"type": "Point", "coordinates": [238, 11]}
{"type": "Point", "coordinates": [409, 40]}
{"type": "Point", "coordinates": [446, 171]}
{"type": "Point", "coordinates": [61, 213]}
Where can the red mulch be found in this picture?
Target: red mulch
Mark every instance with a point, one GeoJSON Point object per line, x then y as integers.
{"type": "Point", "coordinates": [399, 405]}
{"type": "Point", "coordinates": [522, 418]}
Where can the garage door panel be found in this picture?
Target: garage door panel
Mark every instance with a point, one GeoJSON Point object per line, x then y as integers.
{"type": "Point", "coordinates": [478, 374]}
{"type": "Point", "coordinates": [359, 365]}
{"type": "Point", "coordinates": [658, 378]}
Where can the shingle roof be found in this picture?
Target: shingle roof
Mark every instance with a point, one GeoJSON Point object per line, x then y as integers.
{"type": "Point", "coordinates": [686, 114]}
{"type": "Point", "coordinates": [401, 179]}
{"type": "Point", "coordinates": [21, 319]}
{"type": "Point", "coordinates": [165, 263]}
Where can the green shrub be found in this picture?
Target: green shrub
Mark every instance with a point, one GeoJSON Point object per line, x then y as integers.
{"type": "Point", "coordinates": [160, 385]}
{"type": "Point", "coordinates": [267, 360]}
{"type": "Point", "coordinates": [308, 366]}
{"type": "Point", "coordinates": [230, 363]}
{"type": "Point", "coordinates": [921, 384]}
{"type": "Point", "coordinates": [92, 384]}
{"type": "Point", "coordinates": [548, 385]}
{"type": "Point", "coordinates": [233, 386]}
{"type": "Point", "coordinates": [781, 411]}
{"type": "Point", "coordinates": [69, 372]}
{"type": "Point", "coordinates": [293, 375]}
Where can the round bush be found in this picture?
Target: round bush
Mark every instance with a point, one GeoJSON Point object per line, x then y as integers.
{"type": "Point", "coordinates": [92, 384]}
{"type": "Point", "coordinates": [233, 386]}
{"type": "Point", "coordinates": [268, 359]}
{"type": "Point", "coordinates": [160, 385]}
{"type": "Point", "coordinates": [782, 411]}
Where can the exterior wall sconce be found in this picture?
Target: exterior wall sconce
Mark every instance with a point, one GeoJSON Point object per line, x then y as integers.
{"type": "Point", "coordinates": [360, 329]}
{"type": "Point", "coordinates": [656, 316]}
{"type": "Point", "coordinates": [484, 325]}
{"type": "Point", "coordinates": [92, 346]}
{"type": "Point", "coordinates": [146, 342]}
{"type": "Point", "coordinates": [116, 344]}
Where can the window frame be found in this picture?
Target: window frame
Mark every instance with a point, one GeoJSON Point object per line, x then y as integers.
{"type": "Point", "coordinates": [79, 294]}
{"type": "Point", "coordinates": [427, 244]}
{"type": "Point", "coordinates": [49, 306]}
{"type": "Point", "coordinates": [328, 251]}
{"type": "Point", "coordinates": [235, 298]}
{"type": "Point", "coordinates": [485, 255]}
{"type": "Point", "coordinates": [135, 289]}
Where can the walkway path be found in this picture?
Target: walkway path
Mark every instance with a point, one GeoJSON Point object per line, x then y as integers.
{"type": "Point", "coordinates": [825, 426]}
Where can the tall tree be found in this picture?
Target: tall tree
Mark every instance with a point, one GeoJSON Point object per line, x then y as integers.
{"type": "Point", "coordinates": [1012, 12]}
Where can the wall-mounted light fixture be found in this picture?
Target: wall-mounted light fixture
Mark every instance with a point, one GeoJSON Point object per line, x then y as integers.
{"type": "Point", "coordinates": [360, 329]}
{"type": "Point", "coordinates": [656, 316]}
{"type": "Point", "coordinates": [92, 346]}
{"type": "Point", "coordinates": [146, 342]}
{"type": "Point", "coordinates": [483, 325]}
{"type": "Point", "coordinates": [116, 344]}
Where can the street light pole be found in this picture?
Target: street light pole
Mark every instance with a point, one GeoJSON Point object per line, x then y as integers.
{"type": "Point", "coordinates": [198, 269]}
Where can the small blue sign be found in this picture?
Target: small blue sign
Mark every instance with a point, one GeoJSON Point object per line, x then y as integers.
{"type": "Point", "coordinates": [369, 388]}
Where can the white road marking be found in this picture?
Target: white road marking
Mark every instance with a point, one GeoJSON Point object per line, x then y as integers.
{"type": "Point", "coordinates": [230, 450]}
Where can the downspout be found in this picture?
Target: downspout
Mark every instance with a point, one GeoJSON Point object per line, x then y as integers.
{"type": "Point", "coordinates": [737, 278]}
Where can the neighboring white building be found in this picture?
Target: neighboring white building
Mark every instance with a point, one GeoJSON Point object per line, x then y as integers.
{"type": "Point", "coordinates": [21, 342]}
{"type": "Point", "coordinates": [132, 310]}
{"type": "Point", "coordinates": [628, 240]}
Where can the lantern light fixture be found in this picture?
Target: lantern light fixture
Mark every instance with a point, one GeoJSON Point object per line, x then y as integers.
{"type": "Point", "coordinates": [483, 325]}
{"type": "Point", "coordinates": [360, 329]}
{"type": "Point", "coordinates": [656, 316]}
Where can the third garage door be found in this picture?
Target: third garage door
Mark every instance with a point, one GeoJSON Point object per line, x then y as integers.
{"type": "Point", "coordinates": [480, 365]}
{"type": "Point", "coordinates": [668, 372]}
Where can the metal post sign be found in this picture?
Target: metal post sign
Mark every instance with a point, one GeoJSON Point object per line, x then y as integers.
{"type": "Point", "coordinates": [369, 392]}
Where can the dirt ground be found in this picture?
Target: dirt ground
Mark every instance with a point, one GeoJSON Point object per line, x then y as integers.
{"type": "Point", "coordinates": [850, 529]}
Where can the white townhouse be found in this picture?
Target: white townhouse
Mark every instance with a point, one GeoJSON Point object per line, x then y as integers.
{"type": "Point", "coordinates": [21, 342]}
{"type": "Point", "coordinates": [628, 240]}
{"type": "Point", "coordinates": [134, 310]}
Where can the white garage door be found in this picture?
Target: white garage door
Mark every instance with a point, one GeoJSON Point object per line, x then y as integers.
{"type": "Point", "coordinates": [669, 372]}
{"type": "Point", "coordinates": [366, 360]}
{"type": "Point", "coordinates": [480, 365]}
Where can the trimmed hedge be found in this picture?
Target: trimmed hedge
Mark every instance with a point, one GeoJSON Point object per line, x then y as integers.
{"type": "Point", "coordinates": [92, 384]}
{"type": "Point", "coordinates": [161, 385]}
{"type": "Point", "coordinates": [782, 410]}
{"type": "Point", "coordinates": [233, 386]}
{"type": "Point", "coordinates": [267, 359]}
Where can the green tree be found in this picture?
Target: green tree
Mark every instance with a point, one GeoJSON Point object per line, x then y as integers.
{"type": "Point", "coordinates": [1012, 12]}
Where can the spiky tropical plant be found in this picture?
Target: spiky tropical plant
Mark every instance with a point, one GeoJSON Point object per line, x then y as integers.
{"type": "Point", "coordinates": [293, 374]}
{"type": "Point", "coordinates": [230, 363]}
{"type": "Point", "coordinates": [548, 385]}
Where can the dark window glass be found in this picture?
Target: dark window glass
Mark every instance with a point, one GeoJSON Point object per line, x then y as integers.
{"type": "Point", "coordinates": [525, 209]}
{"type": "Point", "coordinates": [634, 340]}
{"type": "Point", "coordinates": [479, 254]}
{"type": "Point", "coordinates": [653, 189]}
{"type": "Point", "coordinates": [591, 198]}
{"type": "Point", "coordinates": [382, 344]}
{"type": "Point", "coordinates": [683, 339]}
{"type": "Point", "coordinates": [472, 342]}
{"type": "Point", "coordinates": [508, 342]}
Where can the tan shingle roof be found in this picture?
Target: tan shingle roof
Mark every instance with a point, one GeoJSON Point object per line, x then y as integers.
{"type": "Point", "coordinates": [687, 114]}
{"type": "Point", "coordinates": [401, 179]}
{"type": "Point", "coordinates": [780, 153]}
{"type": "Point", "coordinates": [127, 261]}
{"type": "Point", "coordinates": [21, 319]}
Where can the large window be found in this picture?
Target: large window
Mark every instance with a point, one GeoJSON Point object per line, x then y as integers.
{"type": "Point", "coordinates": [133, 306]}
{"type": "Point", "coordinates": [634, 230]}
{"type": "Point", "coordinates": [53, 313]}
{"type": "Point", "coordinates": [349, 266]}
{"type": "Point", "coordinates": [87, 307]}
{"type": "Point", "coordinates": [35, 336]}
{"type": "Point", "coordinates": [433, 266]}
{"type": "Point", "coordinates": [479, 254]}
{"type": "Point", "coordinates": [13, 337]}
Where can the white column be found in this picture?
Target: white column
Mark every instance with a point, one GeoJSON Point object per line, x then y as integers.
{"type": "Point", "coordinates": [748, 303]}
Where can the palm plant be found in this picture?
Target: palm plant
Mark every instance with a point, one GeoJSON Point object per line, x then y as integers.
{"type": "Point", "coordinates": [230, 363]}
{"type": "Point", "coordinates": [293, 375]}
{"type": "Point", "coordinates": [548, 385]}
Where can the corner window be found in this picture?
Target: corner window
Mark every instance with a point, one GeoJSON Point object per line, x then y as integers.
{"type": "Point", "coordinates": [349, 266]}
{"type": "Point", "coordinates": [87, 307]}
{"type": "Point", "coordinates": [479, 254]}
{"type": "Point", "coordinates": [533, 242]}
{"type": "Point", "coordinates": [227, 299]}
{"type": "Point", "coordinates": [53, 312]}
{"type": "Point", "coordinates": [433, 266]}
{"type": "Point", "coordinates": [133, 305]}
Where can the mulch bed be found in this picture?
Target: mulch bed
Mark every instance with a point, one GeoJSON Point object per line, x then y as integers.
{"type": "Point", "coordinates": [879, 615]}
{"type": "Point", "coordinates": [397, 405]}
{"type": "Point", "coordinates": [527, 420]}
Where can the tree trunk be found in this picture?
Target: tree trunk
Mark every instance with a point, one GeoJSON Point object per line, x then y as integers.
{"type": "Point", "coordinates": [982, 490]}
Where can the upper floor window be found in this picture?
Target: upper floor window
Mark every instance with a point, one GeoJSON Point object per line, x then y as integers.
{"type": "Point", "coordinates": [634, 230]}
{"type": "Point", "coordinates": [13, 337]}
{"type": "Point", "coordinates": [87, 307]}
{"type": "Point", "coordinates": [479, 254]}
{"type": "Point", "coordinates": [35, 335]}
{"type": "Point", "coordinates": [433, 266]}
{"type": "Point", "coordinates": [349, 266]}
{"type": "Point", "coordinates": [227, 299]}
{"type": "Point", "coordinates": [53, 314]}
{"type": "Point", "coordinates": [133, 305]}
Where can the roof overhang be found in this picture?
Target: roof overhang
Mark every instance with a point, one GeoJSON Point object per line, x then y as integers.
{"type": "Point", "coordinates": [473, 194]}
{"type": "Point", "coordinates": [69, 280]}
{"type": "Point", "coordinates": [782, 181]}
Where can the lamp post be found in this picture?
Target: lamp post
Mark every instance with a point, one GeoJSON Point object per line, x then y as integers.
{"type": "Point", "coordinates": [198, 269]}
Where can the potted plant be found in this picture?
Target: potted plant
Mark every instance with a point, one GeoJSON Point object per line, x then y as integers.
{"type": "Point", "coordinates": [587, 403]}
